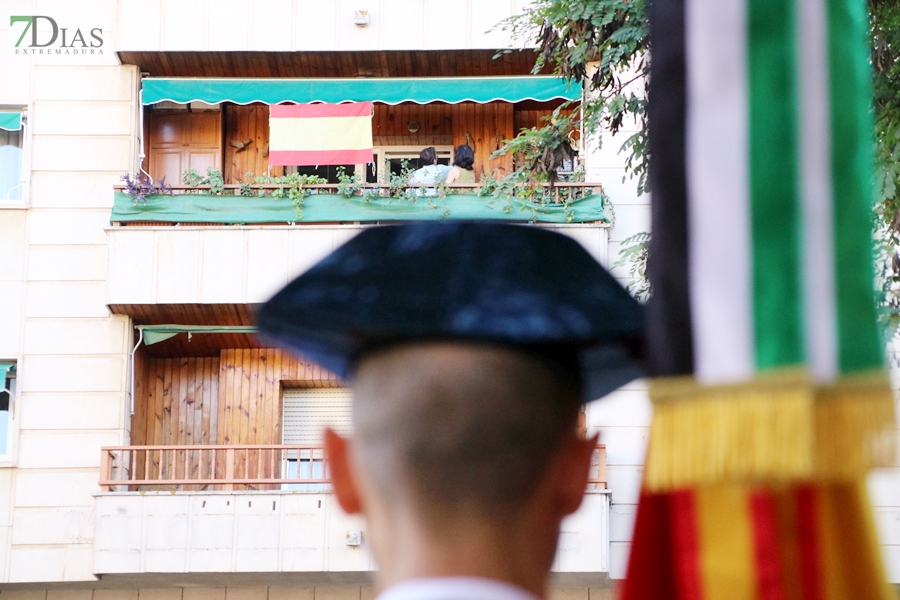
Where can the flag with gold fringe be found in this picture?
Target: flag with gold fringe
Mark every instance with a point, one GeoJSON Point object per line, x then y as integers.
{"type": "Point", "coordinates": [770, 400]}
{"type": "Point", "coordinates": [320, 134]}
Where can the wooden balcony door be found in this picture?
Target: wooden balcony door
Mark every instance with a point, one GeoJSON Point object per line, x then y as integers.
{"type": "Point", "coordinates": [184, 140]}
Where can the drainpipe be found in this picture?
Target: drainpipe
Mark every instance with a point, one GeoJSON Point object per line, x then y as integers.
{"type": "Point", "coordinates": [131, 394]}
{"type": "Point", "coordinates": [141, 154]}
{"type": "Point", "coordinates": [22, 168]}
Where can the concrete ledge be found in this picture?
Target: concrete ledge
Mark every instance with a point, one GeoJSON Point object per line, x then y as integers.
{"type": "Point", "coordinates": [300, 536]}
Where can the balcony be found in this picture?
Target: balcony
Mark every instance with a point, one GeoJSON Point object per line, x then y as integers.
{"type": "Point", "coordinates": [564, 202]}
{"type": "Point", "coordinates": [267, 509]}
{"type": "Point", "coordinates": [197, 248]}
{"type": "Point", "coordinates": [242, 467]}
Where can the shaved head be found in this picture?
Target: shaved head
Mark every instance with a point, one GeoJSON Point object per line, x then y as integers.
{"type": "Point", "coordinates": [460, 428]}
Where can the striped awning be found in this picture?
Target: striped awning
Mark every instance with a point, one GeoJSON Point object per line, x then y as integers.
{"type": "Point", "coordinates": [420, 90]}
{"type": "Point", "coordinates": [10, 120]}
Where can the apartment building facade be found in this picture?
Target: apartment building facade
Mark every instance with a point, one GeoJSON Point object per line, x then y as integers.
{"type": "Point", "coordinates": [151, 446]}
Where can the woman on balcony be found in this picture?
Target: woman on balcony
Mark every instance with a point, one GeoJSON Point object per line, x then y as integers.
{"type": "Point", "coordinates": [463, 165]}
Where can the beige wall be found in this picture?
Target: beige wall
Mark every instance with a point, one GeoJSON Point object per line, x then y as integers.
{"type": "Point", "coordinates": [239, 264]}
{"type": "Point", "coordinates": [311, 24]}
{"type": "Point", "coordinates": [53, 319]}
{"type": "Point", "coordinates": [261, 593]}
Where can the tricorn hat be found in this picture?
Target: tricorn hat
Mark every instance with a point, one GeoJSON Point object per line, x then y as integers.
{"type": "Point", "coordinates": [514, 285]}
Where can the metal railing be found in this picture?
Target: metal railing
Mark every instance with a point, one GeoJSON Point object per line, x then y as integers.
{"type": "Point", "coordinates": [248, 466]}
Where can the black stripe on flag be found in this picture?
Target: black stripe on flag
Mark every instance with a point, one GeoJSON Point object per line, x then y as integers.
{"type": "Point", "coordinates": [669, 339]}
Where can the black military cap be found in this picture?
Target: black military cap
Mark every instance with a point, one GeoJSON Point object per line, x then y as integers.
{"type": "Point", "coordinates": [515, 285]}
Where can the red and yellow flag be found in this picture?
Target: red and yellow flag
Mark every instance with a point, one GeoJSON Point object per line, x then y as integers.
{"type": "Point", "coordinates": [795, 541]}
{"type": "Point", "coordinates": [320, 134]}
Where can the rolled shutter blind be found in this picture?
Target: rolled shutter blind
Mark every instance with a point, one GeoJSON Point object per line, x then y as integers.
{"type": "Point", "coordinates": [308, 411]}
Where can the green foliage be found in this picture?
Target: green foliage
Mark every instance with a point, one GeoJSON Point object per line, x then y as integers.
{"type": "Point", "coordinates": [397, 184]}
{"type": "Point", "coordinates": [213, 179]}
{"type": "Point", "coordinates": [293, 186]}
{"type": "Point", "coordinates": [633, 254]}
{"type": "Point", "coordinates": [191, 177]}
{"type": "Point", "coordinates": [602, 44]}
{"type": "Point", "coordinates": [524, 194]}
{"type": "Point", "coordinates": [349, 185]}
{"type": "Point", "coordinates": [245, 188]}
{"type": "Point", "coordinates": [885, 23]}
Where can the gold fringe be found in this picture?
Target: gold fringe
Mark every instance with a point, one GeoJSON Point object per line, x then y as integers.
{"type": "Point", "coordinates": [855, 428]}
{"type": "Point", "coordinates": [776, 428]}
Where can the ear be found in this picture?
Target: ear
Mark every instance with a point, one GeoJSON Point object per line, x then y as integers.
{"type": "Point", "coordinates": [337, 452]}
{"type": "Point", "coordinates": [573, 469]}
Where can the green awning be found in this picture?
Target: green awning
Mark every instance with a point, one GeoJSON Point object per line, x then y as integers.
{"type": "Point", "coordinates": [5, 368]}
{"type": "Point", "coordinates": [10, 120]}
{"type": "Point", "coordinates": [153, 334]}
{"type": "Point", "coordinates": [420, 90]}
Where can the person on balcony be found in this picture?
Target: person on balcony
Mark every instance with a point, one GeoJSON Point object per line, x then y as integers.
{"type": "Point", "coordinates": [470, 348]}
{"type": "Point", "coordinates": [430, 173]}
{"type": "Point", "coordinates": [463, 170]}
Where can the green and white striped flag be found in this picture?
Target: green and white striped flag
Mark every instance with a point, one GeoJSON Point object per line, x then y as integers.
{"type": "Point", "coordinates": [761, 263]}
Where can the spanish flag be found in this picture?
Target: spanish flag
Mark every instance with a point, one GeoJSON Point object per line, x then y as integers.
{"type": "Point", "coordinates": [320, 134]}
{"type": "Point", "coordinates": [770, 397]}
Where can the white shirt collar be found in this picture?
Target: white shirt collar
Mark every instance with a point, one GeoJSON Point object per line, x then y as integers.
{"type": "Point", "coordinates": [454, 588]}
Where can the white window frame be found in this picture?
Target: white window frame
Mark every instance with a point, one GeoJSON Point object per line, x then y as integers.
{"type": "Point", "coordinates": [24, 175]}
{"type": "Point", "coordinates": [313, 467]}
{"type": "Point", "coordinates": [382, 153]}
{"type": "Point", "coordinates": [7, 455]}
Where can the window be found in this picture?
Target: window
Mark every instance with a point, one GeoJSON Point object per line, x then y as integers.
{"type": "Point", "coordinates": [329, 172]}
{"type": "Point", "coordinates": [306, 414]}
{"type": "Point", "coordinates": [394, 158]}
{"type": "Point", "coordinates": [11, 143]}
{"type": "Point", "coordinates": [7, 406]}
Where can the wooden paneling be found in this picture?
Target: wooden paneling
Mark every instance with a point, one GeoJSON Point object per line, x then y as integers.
{"type": "Point", "coordinates": [251, 122]}
{"type": "Point", "coordinates": [390, 124]}
{"type": "Point", "coordinates": [484, 127]}
{"type": "Point", "coordinates": [394, 63]}
{"type": "Point", "coordinates": [193, 314]}
{"type": "Point", "coordinates": [233, 398]}
{"type": "Point", "coordinates": [175, 400]}
{"type": "Point", "coordinates": [530, 114]}
{"type": "Point", "coordinates": [526, 119]}
{"type": "Point", "coordinates": [250, 382]}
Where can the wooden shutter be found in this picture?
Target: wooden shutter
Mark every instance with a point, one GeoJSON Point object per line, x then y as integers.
{"type": "Point", "coordinates": [183, 140]}
{"type": "Point", "coordinates": [308, 411]}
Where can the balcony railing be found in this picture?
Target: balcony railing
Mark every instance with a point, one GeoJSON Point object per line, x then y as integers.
{"type": "Point", "coordinates": [234, 467]}
{"type": "Point", "coordinates": [251, 466]}
{"type": "Point", "coordinates": [564, 202]}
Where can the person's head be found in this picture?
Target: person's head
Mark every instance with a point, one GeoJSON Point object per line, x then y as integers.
{"type": "Point", "coordinates": [469, 347]}
{"type": "Point", "coordinates": [428, 156]}
{"type": "Point", "coordinates": [464, 157]}
{"type": "Point", "coordinates": [460, 436]}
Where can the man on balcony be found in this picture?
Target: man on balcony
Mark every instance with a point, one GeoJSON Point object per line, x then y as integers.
{"type": "Point", "coordinates": [471, 348]}
{"type": "Point", "coordinates": [430, 173]}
